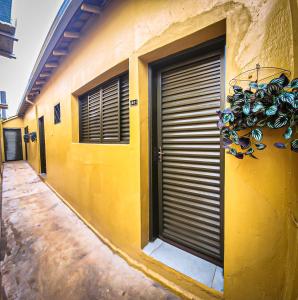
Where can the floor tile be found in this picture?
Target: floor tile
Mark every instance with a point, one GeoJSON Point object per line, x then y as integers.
{"type": "Point", "coordinates": [218, 280]}
{"type": "Point", "coordinates": [186, 263]}
{"type": "Point", "coordinates": [152, 246]}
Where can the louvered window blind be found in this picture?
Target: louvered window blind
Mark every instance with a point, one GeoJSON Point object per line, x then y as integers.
{"type": "Point", "coordinates": [104, 113]}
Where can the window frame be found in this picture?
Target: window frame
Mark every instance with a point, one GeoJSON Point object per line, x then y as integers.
{"type": "Point", "coordinates": [100, 87]}
{"type": "Point", "coordinates": [55, 120]}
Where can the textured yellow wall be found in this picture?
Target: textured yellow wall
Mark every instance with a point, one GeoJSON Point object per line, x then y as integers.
{"type": "Point", "coordinates": [108, 184]}
{"type": "Point", "coordinates": [33, 152]}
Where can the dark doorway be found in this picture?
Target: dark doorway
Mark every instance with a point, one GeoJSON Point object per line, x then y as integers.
{"type": "Point", "coordinates": [26, 131]}
{"type": "Point", "coordinates": [42, 146]}
{"type": "Point", "coordinates": [187, 161]}
{"type": "Point", "coordinates": [13, 144]}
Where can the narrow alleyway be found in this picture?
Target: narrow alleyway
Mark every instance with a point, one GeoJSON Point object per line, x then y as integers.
{"type": "Point", "coordinates": [49, 253]}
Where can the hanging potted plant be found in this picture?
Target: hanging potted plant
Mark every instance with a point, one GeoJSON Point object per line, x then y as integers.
{"type": "Point", "coordinates": [33, 136]}
{"type": "Point", "coordinates": [26, 138]}
{"type": "Point", "coordinates": [272, 105]}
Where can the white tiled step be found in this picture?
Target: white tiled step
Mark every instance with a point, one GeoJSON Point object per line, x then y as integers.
{"type": "Point", "coordinates": [186, 263]}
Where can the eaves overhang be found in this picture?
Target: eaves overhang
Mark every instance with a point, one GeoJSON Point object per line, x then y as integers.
{"type": "Point", "coordinates": [66, 29]}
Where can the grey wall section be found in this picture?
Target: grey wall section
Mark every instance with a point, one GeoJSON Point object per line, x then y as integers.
{"type": "Point", "coordinates": [3, 101]}
{"type": "Point", "coordinates": [5, 10]}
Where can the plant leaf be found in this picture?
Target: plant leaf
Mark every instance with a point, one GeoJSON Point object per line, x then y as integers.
{"type": "Point", "coordinates": [239, 155]}
{"type": "Point", "coordinates": [260, 94]}
{"type": "Point", "coordinates": [253, 85]}
{"type": "Point", "coordinates": [249, 151]}
{"type": "Point", "coordinates": [237, 109]}
{"type": "Point", "coordinates": [280, 121]}
{"type": "Point", "coordinates": [230, 99]}
{"type": "Point", "coordinates": [285, 79]}
{"type": "Point", "coordinates": [271, 110]}
{"type": "Point", "coordinates": [237, 89]}
{"type": "Point", "coordinates": [273, 89]}
{"type": "Point", "coordinates": [248, 94]}
{"type": "Point", "coordinates": [220, 124]}
{"type": "Point", "coordinates": [262, 123]}
{"type": "Point", "coordinates": [262, 86]}
{"type": "Point", "coordinates": [294, 145]}
{"type": "Point", "coordinates": [238, 97]}
{"type": "Point", "coordinates": [294, 83]}
{"type": "Point", "coordinates": [257, 106]}
{"type": "Point", "coordinates": [280, 145]}
{"type": "Point", "coordinates": [288, 97]}
{"type": "Point", "coordinates": [282, 80]}
{"type": "Point", "coordinates": [227, 141]}
{"type": "Point", "coordinates": [246, 108]}
{"type": "Point", "coordinates": [244, 142]}
{"type": "Point", "coordinates": [251, 121]}
{"type": "Point", "coordinates": [226, 118]}
{"type": "Point", "coordinates": [232, 151]}
{"type": "Point", "coordinates": [235, 137]}
{"type": "Point", "coordinates": [232, 117]}
{"type": "Point", "coordinates": [257, 134]}
{"type": "Point", "coordinates": [288, 134]}
{"type": "Point", "coordinates": [226, 111]}
{"type": "Point", "coordinates": [260, 146]}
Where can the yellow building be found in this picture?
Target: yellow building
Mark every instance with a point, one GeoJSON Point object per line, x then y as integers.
{"type": "Point", "coordinates": [116, 147]}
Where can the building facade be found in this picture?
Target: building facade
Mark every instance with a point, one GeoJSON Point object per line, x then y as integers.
{"type": "Point", "coordinates": [116, 143]}
{"type": "Point", "coordinates": [7, 29]}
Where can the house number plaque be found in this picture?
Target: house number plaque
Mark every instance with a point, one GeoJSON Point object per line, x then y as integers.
{"type": "Point", "coordinates": [134, 102]}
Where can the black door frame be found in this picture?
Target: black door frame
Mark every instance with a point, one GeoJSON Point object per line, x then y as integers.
{"type": "Point", "coordinates": [42, 146]}
{"type": "Point", "coordinates": [5, 142]}
{"type": "Point", "coordinates": [154, 211]}
{"type": "Point", "coordinates": [26, 131]}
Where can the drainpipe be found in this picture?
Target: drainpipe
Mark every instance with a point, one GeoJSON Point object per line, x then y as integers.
{"type": "Point", "coordinates": [27, 100]}
{"type": "Point", "coordinates": [36, 122]}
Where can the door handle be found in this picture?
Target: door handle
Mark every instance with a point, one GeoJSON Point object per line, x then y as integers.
{"type": "Point", "coordinates": [160, 154]}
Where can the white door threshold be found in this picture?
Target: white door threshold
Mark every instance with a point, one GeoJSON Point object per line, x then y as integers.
{"type": "Point", "coordinates": [188, 264]}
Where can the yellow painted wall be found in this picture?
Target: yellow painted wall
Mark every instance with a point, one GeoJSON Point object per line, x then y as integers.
{"type": "Point", "coordinates": [108, 184]}
{"type": "Point", "coordinates": [33, 152]}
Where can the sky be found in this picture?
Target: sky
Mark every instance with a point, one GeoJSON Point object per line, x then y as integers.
{"type": "Point", "coordinates": [34, 19]}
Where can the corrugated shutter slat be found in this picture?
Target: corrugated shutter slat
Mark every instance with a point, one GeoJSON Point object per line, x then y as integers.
{"type": "Point", "coordinates": [124, 108]}
{"type": "Point", "coordinates": [111, 111]}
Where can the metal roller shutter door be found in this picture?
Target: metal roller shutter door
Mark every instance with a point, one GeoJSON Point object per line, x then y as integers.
{"type": "Point", "coordinates": [191, 165]}
{"type": "Point", "coordinates": [13, 144]}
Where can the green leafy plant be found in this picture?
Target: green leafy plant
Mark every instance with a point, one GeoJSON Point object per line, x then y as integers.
{"type": "Point", "coordinates": [273, 105]}
{"type": "Point", "coordinates": [33, 136]}
{"type": "Point", "coordinates": [26, 138]}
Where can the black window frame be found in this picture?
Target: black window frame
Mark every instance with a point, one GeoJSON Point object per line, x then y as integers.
{"type": "Point", "coordinates": [57, 119]}
{"type": "Point", "coordinates": [123, 138]}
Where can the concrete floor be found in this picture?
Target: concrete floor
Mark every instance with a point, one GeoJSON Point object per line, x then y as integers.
{"type": "Point", "coordinates": [49, 253]}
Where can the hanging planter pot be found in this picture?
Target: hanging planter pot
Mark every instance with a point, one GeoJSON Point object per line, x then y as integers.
{"type": "Point", "coordinates": [272, 105]}
{"type": "Point", "coordinates": [33, 136]}
{"type": "Point", "coordinates": [26, 138]}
